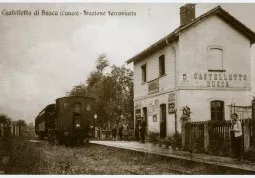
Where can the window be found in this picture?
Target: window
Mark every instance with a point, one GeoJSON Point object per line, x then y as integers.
{"type": "Point", "coordinates": [77, 107]}
{"type": "Point", "coordinates": [217, 110]}
{"type": "Point", "coordinates": [41, 113]}
{"type": "Point", "coordinates": [88, 108]}
{"type": "Point", "coordinates": [143, 73]}
{"type": "Point", "coordinates": [65, 106]}
{"type": "Point", "coordinates": [161, 65]}
{"type": "Point", "coordinates": [215, 58]}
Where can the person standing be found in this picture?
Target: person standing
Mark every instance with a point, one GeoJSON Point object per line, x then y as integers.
{"type": "Point", "coordinates": [125, 131]}
{"type": "Point", "coordinates": [114, 131]}
{"type": "Point", "coordinates": [237, 129]}
{"type": "Point", "coordinates": [142, 130]}
{"type": "Point", "coordinates": [137, 130]}
{"type": "Point", "coordinates": [120, 131]}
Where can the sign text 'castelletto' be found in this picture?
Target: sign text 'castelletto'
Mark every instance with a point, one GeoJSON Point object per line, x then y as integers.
{"type": "Point", "coordinates": [219, 80]}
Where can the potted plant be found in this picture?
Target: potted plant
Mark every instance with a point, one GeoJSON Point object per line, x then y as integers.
{"type": "Point", "coordinates": [185, 114]}
{"type": "Point", "coordinates": [168, 141]}
{"type": "Point", "coordinates": [153, 137]}
{"type": "Point", "coordinates": [160, 142]}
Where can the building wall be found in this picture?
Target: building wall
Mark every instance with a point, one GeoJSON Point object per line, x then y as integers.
{"type": "Point", "coordinates": [166, 85]}
{"type": "Point", "coordinates": [199, 101]}
{"type": "Point", "coordinates": [192, 59]}
{"type": "Point", "coordinates": [153, 109]}
{"type": "Point", "coordinates": [166, 82]}
{"type": "Point", "coordinates": [196, 93]}
{"type": "Point", "coordinates": [194, 43]}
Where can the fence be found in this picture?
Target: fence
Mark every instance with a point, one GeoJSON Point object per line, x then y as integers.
{"type": "Point", "coordinates": [242, 111]}
{"type": "Point", "coordinates": [214, 136]}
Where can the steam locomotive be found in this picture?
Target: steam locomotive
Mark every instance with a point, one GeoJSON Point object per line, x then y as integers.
{"type": "Point", "coordinates": [68, 121]}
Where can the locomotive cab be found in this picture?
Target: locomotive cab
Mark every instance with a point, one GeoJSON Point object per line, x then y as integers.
{"type": "Point", "coordinates": [74, 117]}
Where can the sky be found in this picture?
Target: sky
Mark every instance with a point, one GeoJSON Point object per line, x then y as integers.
{"type": "Point", "coordinates": [43, 57]}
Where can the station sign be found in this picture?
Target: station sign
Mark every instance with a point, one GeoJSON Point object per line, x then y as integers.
{"type": "Point", "coordinates": [171, 108]}
{"type": "Point", "coordinates": [215, 79]}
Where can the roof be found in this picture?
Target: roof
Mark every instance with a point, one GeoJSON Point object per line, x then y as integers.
{"type": "Point", "coordinates": [76, 96]}
{"type": "Point", "coordinates": [49, 106]}
{"type": "Point", "coordinates": [224, 15]}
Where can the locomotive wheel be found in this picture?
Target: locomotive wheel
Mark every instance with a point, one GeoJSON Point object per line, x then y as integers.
{"type": "Point", "coordinates": [60, 141]}
{"type": "Point", "coordinates": [41, 137]}
{"type": "Point", "coordinates": [68, 142]}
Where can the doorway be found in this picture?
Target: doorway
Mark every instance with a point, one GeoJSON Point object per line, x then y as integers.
{"type": "Point", "coordinates": [163, 120]}
{"type": "Point", "coordinates": [146, 119]}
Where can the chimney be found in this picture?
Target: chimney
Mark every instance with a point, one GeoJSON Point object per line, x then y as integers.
{"type": "Point", "coordinates": [187, 13]}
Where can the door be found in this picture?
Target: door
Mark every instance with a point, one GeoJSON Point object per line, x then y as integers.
{"type": "Point", "coordinates": [217, 110]}
{"type": "Point", "coordinates": [145, 118]}
{"type": "Point", "coordinates": [76, 122]}
{"type": "Point", "coordinates": [163, 120]}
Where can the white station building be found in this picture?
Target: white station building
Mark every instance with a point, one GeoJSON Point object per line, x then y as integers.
{"type": "Point", "coordinates": [204, 64]}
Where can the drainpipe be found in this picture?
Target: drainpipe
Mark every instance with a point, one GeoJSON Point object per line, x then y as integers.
{"type": "Point", "coordinates": [175, 81]}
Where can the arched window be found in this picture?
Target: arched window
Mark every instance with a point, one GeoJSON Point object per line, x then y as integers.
{"type": "Point", "coordinates": [217, 110]}
{"type": "Point", "coordinates": [215, 58]}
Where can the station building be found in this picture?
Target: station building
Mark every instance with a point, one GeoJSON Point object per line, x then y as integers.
{"type": "Point", "coordinates": [204, 64]}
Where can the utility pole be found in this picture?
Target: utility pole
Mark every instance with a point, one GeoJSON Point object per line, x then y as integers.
{"type": "Point", "coordinates": [175, 120]}
{"type": "Point", "coordinates": [253, 120]}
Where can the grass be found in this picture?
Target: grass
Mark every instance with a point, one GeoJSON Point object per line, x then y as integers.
{"type": "Point", "coordinates": [44, 158]}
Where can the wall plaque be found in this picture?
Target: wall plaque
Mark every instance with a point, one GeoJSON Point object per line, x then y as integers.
{"type": "Point", "coordinates": [171, 108]}
{"type": "Point", "coordinates": [153, 86]}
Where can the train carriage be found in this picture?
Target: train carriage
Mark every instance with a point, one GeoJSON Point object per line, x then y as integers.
{"type": "Point", "coordinates": [42, 121]}
{"type": "Point", "coordinates": [71, 121]}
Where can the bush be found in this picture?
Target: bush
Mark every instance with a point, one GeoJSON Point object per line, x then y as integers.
{"type": "Point", "coordinates": [177, 140]}
{"type": "Point", "coordinates": [153, 137]}
{"type": "Point", "coordinates": [168, 141]}
{"type": "Point", "coordinates": [249, 154]}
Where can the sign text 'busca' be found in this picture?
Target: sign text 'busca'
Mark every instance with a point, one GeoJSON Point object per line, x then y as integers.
{"type": "Point", "coordinates": [219, 80]}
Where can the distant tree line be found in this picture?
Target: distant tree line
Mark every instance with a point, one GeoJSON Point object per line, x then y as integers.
{"type": "Point", "coordinates": [113, 92]}
{"type": "Point", "coordinates": [6, 121]}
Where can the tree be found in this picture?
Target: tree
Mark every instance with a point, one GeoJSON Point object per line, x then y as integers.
{"type": "Point", "coordinates": [5, 120]}
{"type": "Point", "coordinates": [102, 62]}
{"type": "Point", "coordinates": [113, 91]}
{"type": "Point", "coordinates": [122, 94]}
{"type": "Point", "coordinates": [21, 122]}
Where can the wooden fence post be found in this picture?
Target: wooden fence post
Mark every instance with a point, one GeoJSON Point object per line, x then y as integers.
{"type": "Point", "coordinates": [246, 135]}
{"type": "Point", "coordinates": [206, 137]}
{"type": "Point", "coordinates": [183, 134]}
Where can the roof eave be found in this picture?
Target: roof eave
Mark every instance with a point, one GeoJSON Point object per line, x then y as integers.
{"type": "Point", "coordinates": [248, 33]}
{"type": "Point", "coordinates": [155, 47]}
